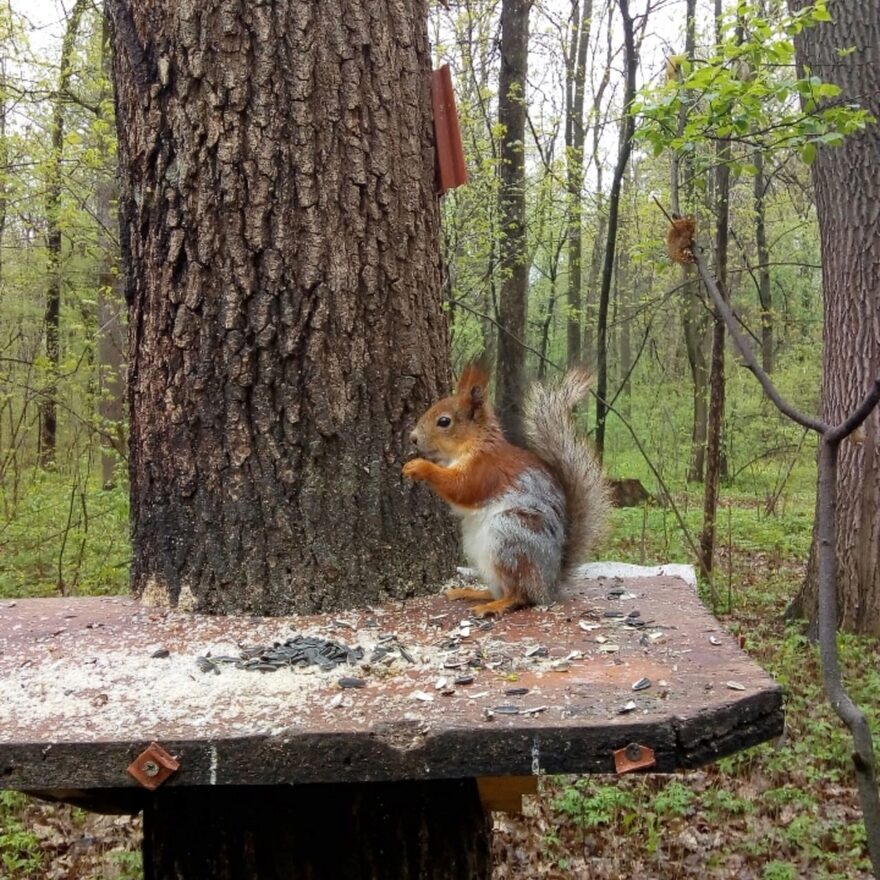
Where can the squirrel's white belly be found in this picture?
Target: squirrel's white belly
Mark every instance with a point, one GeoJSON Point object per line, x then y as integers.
{"type": "Point", "coordinates": [477, 535]}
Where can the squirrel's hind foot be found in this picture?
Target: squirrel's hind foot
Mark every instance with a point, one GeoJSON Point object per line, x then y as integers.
{"type": "Point", "coordinates": [498, 607]}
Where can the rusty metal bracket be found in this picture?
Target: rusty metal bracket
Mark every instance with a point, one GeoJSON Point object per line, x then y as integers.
{"type": "Point", "coordinates": [153, 766]}
{"type": "Point", "coordinates": [451, 167]}
{"type": "Point", "coordinates": [634, 757]}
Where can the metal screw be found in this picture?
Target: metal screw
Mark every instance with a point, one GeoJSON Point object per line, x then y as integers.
{"type": "Point", "coordinates": [151, 768]}
{"type": "Point", "coordinates": [633, 752]}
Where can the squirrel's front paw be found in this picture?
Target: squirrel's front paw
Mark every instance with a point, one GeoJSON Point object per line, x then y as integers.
{"type": "Point", "coordinates": [415, 468]}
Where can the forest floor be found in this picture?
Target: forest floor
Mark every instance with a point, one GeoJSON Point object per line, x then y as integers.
{"type": "Point", "coordinates": [780, 811]}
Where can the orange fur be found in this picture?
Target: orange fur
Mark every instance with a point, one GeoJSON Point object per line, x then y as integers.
{"type": "Point", "coordinates": [468, 593]}
{"type": "Point", "coordinates": [680, 239]}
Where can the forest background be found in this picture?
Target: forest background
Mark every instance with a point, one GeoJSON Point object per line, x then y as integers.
{"type": "Point", "coordinates": [781, 811]}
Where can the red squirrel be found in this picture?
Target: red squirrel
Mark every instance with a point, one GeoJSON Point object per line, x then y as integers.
{"type": "Point", "coordinates": [680, 239]}
{"type": "Point", "coordinates": [529, 516]}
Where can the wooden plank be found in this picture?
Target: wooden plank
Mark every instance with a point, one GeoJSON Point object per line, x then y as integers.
{"type": "Point", "coordinates": [85, 686]}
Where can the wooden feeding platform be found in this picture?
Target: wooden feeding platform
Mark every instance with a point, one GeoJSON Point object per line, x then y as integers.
{"type": "Point", "coordinates": [622, 674]}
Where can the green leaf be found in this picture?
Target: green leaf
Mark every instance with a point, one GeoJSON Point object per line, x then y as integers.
{"type": "Point", "coordinates": [808, 153]}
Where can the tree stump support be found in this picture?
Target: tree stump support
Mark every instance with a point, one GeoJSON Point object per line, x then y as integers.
{"type": "Point", "coordinates": [433, 830]}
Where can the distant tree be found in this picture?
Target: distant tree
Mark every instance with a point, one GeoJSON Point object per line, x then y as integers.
{"type": "Point", "coordinates": [513, 264]}
{"type": "Point", "coordinates": [54, 185]}
{"type": "Point", "coordinates": [631, 41]}
{"type": "Point", "coordinates": [576, 76]}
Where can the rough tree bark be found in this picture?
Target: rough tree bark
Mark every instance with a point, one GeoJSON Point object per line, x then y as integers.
{"type": "Point", "coordinates": [847, 187]}
{"type": "Point", "coordinates": [52, 314]}
{"type": "Point", "coordinates": [513, 298]}
{"type": "Point", "coordinates": [576, 75]}
{"type": "Point", "coordinates": [280, 245]}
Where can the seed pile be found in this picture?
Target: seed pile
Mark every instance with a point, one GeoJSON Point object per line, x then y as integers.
{"type": "Point", "coordinates": [296, 652]}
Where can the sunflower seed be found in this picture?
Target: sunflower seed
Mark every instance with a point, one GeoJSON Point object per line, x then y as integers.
{"type": "Point", "coordinates": [347, 682]}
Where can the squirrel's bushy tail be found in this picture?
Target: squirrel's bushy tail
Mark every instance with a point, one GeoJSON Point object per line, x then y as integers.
{"type": "Point", "coordinates": [551, 434]}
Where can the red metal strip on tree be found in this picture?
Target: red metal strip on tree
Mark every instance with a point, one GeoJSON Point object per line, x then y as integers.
{"type": "Point", "coordinates": [451, 167]}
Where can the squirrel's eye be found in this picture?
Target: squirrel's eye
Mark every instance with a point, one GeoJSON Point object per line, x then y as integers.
{"type": "Point", "coordinates": [444, 422]}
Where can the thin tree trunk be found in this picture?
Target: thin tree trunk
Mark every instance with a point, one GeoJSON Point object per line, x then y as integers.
{"type": "Point", "coordinates": [716, 375]}
{"type": "Point", "coordinates": [575, 177]}
{"type": "Point", "coordinates": [280, 246]}
{"type": "Point", "coordinates": [4, 161]}
{"type": "Point", "coordinates": [588, 337]}
{"type": "Point", "coordinates": [765, 295]}
{"type": "Point", "coordinates": [696, 336]}
{"type": "Point", "coordinates": [847, 186]}
{"type": "Point", "coordinates": [52, 314]}
{"type": "Point", "coordinates": [624, 289]}
{"type": "Point", "coordinates": [627, 130]}
{"type": "Point", "coordinates": [513, 299]}
{"type": "Point", "coordinates": [111, 305]}
{"type": "Point", "coordinates": [592, 296]}
{"type": "Point", "coordinates": [545, 336]}
{"type": "Point", "coordinates": [694, 316]}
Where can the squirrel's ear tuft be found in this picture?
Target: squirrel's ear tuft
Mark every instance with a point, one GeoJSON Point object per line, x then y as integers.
{"type": "Point", "coordinates": [472, 386]}
{"type": "Point", "coordinates": [475, 374]}
{"type": "Point", "coordinates": [476, 400]}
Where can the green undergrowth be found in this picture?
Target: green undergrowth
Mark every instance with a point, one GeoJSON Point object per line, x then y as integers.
{"type": "Point", "coordinates": [20, 851]}
{"type": "Point", "coordinates": [62, 534]}
{"type": "Point", "coordinates": [785, 809]}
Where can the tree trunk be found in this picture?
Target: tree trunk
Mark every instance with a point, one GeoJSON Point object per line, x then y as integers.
{"type": "Point", "coordinates": [763, 254]}
{"type": "Point", "coordinates": [592, 296]}
{"type": "Point", "coordinates": [574, 142]}
{"type": "Point", "coordinates": [625, 293]}
{"type": "Point", "coordinates": [513, 304]}
{"type": "Point", "coordinates": [4, 161]}
{"type": "Point", "coordinates": [599, 115]}
{"type": "Point", "coordinates": [111, 306]}
{"type": "Point", "coordinates": [696, 336]}
{"type": "Point", "coordinates": [627, 130]}
{"type": "Point", "coordinates": [847, 186]}
{"type": "Point", "coordinates": [52, 314]}
{"type": "Point", "coordinates": [694, 316]}
{"type": "Point", "coordinates": [280, 246]}
{"type": "Point", "coordinates": [716, 373]}
{"type": "Point", "coordinates": [408, 831]}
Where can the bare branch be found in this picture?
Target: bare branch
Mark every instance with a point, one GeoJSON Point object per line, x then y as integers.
{"type": "Point", "coordinates": [748, 356]}
{"type": "Point", "coordinates": [862, 411]}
